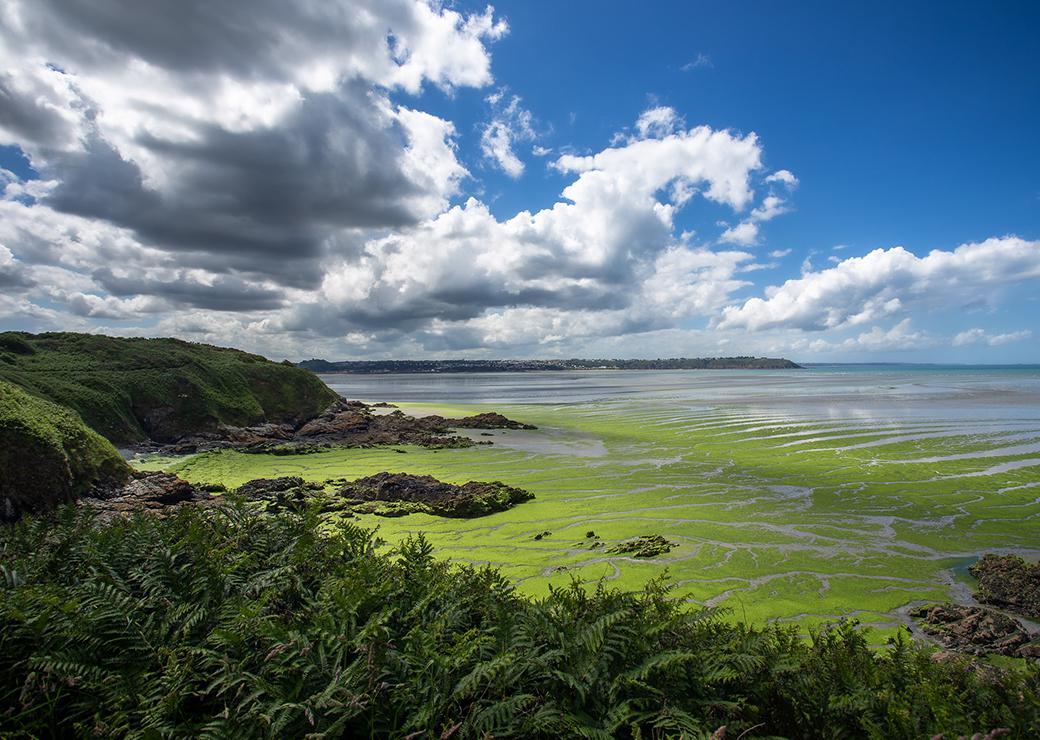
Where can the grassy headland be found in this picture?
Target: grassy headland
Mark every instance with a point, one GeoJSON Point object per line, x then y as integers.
{"type": "Point", "coordinates": [132, 390]}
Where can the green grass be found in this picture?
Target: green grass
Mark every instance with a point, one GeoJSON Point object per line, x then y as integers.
{"type": "Point", "coordinates": [131, 389]}
{"type": "Point", "coordinates": [800, 532]}
{"type": "Point", "coordinates": [48, 455]}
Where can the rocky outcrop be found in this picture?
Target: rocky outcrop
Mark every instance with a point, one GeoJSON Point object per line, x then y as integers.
{"type": "Point", "coordinates": [152, 492]}
{"type": "Point", "coordinates": [399, 494]}
{"type": "Point", "coordinates": [1009, 582]}
{"type": "Point", "coordinates": [289, 493]}
{"type": "Point", "coordinates": [977, 631]}
{"type": "Point", "coordinates": [343, 424]}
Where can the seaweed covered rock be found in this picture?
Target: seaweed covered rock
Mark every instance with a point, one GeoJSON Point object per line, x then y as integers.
{"type": "Point", "coordinates": [977, 631]}
{"type": "Point", "coordinates": [486, 420]}
{"type": "Point", "coordinates": [288, 493]}
{"type": "Point", "coordinates": [646, 546]}
{"type": "Point", "coordinates": [1009, 582]}
{"type": "Point", "coordinates": [48, 456]}
{"type": "Point", "coordinates": [398, 494]}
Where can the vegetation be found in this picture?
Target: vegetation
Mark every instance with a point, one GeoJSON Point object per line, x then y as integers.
{"type": "Point", "coordinates": [132, 390]}
{"type": "Point", "coordinates": [48, 455]}
{"type": "Point", "coordinates": [231, 623]}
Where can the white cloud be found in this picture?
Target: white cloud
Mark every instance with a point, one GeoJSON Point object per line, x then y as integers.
{"type": "Point", "coordinates": [701, 61]}
{"type": "Point", "coordinates": [658, 122]}
{"type": "Point", "coordinates": [772, 206]}
{"type": "Point", "coordinates": [886, 282]}
{"type": "Point", "coordinates": [606, 249]}
{"type": "Point", "coordinates": [783, 176]}
{"type": "Point", "coordinates": [977, 335]}
{"type": "Point", "coordinates": [510, 123]}
{"type": "Point", "coordinates": [779, 253]}
{"type": "Point", "coordinates": [744, 234]}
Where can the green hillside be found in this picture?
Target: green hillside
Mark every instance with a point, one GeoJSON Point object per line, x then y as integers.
{"type": "Point", "coordinates": [48, 455]}
{"type": "Point", "coordinates": [131, 389]}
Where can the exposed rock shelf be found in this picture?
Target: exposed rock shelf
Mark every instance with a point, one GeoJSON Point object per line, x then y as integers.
{"type": "Point", "coordinates": [343, 424]}
{"type": "Point", "coordinates": [383, 494]}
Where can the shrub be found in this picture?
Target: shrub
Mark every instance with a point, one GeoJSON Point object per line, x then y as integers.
{"type": "Point", "coordinates": [231, 623]}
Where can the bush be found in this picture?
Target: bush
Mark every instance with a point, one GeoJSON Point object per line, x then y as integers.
{"type": "Point", "coordinates": [231, 623]}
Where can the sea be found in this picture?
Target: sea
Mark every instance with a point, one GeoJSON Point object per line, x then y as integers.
{"type": "Point", "coordinates": [886, 392]}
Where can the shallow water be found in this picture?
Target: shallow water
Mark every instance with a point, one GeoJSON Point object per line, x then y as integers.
{"type": "Point", "coordinates": [820, 392]}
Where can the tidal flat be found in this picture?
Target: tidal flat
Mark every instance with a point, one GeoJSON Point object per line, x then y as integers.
{"type": "Point", "coordinates": [794, 496]}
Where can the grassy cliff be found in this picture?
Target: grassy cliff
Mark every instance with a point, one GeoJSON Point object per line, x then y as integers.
{"type": "Point", "coordinates": [131, 390]}
{"type": "Point", "coordinates": [48, 455]}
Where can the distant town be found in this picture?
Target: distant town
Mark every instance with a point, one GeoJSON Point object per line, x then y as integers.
{"type": "Point", "coordinates": [522, 366]}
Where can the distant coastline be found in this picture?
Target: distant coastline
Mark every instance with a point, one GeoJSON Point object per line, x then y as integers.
{"type": "Point", "coordinates": [368, 367]}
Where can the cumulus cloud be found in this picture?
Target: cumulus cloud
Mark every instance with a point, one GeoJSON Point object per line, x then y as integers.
{"type": "Point", "coordinates": [744, 234]}
{"type": "Point", "coordinates": [237, 138]}
{"type": "Point", "coordinates": [606, 249]}
{"type": "Point", "coordinates": [886, 282]}
{"type": "Point", "coordinates": [977, 336]}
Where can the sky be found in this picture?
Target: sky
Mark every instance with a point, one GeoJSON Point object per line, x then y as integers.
{"type": "Point", "coordinates": [849, 182]}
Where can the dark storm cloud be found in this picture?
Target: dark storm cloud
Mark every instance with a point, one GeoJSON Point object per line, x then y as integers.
{"type": "Point", "coordinates": [226, 293]}
{"type": "Point", "coordinates": [246, 39]}
{"type": "Point", "coordinates": [24, 114]}
{"type": "Point", "coordinates": [264, 200]}
{"type": "Point", "coordinates": [13, 278]}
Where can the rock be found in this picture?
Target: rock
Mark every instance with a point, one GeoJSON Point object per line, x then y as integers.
{"type": "Point", "coordinates": [288, 493]}
{"type": "Point", "coordinates": [398, 494]}
{"type": "Point", "coordinates": [155, 492]}
{"type": "Point", "coordinates": [488, 420]}
{"type": "Point", "coordinates": [343, 424]}
{"type": "Point", "coordinates": [975, 630]}
{"type": "Point", "coordinates": [1009, 582]}
{"type": "Point", "coordinates": [261, 488]}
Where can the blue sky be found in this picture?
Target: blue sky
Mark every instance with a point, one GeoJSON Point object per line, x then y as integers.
{"type": "Point", "coordinates": [323, 192]}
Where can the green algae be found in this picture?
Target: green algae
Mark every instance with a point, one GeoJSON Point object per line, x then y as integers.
{"type": "Point", "coordinates": [772, 531]}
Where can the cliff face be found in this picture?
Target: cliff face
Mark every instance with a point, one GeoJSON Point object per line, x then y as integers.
{"type": "Point", "coordinates": [48, 456]}
{"type": "Point", "coordinates": [132, 390]}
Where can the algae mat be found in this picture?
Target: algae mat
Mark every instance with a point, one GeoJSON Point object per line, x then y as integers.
{"type": "Point", "coordinates": [775, 516]}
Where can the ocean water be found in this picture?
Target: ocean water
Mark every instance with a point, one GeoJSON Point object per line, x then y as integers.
{"type": "Point", "coordinates": [988, 394]}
